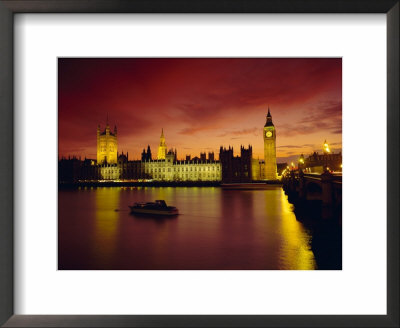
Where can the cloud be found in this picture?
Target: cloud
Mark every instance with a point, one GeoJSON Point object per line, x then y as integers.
{"type": "Point", "coordinates": [252, 131]}
{"type": "Point", "coordinates": [324, 117]}
{"type": "Point", "coordinates": [289, 146]}
{"type": "Point", "coordinates": [194, 130]}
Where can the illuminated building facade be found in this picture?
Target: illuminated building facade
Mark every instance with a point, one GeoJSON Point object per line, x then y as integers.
{"type": "Point", "coordinates": [257, 169]}
{"type": "Point", "coordinates": [171, 169]}
{"type": "Point", "coordinates": [167, 168]}
{"type": "Point", "coordinates": [109, 171]}
{"type": "Point", "coordinates": [107, 145]}
{"type": "Point", "coordinates": [162, 148]}
{"type": "Point", "coordinates": [269, 134]}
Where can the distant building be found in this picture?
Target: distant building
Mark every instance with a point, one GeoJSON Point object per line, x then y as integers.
{"type": "Point", "coordinates": [71, 170]}
{"type": "Point", "coordinates": [236, 169]}
{"type": "Point", "coordinates": [107, 145]}
{"type": "Point", "coordinates": [315, 163]}
{"type": "Point", "coordinates": [269, 134]}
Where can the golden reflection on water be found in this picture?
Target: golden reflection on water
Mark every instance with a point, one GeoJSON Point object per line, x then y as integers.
{"type": "Point", "coordinates": [106, 224]}
{"type": "Point", "coordinates": [295, 249]}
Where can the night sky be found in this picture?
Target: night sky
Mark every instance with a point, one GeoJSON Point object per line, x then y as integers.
{"type": "Point", "coordinates": [201, 104]}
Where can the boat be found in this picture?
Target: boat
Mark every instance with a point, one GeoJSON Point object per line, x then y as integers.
{"type": "Point", "coordinates": [159, 207]}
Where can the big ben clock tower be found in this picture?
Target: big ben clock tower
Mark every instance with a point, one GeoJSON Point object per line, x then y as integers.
{"type": "Point", "coordinates": [269, 134]}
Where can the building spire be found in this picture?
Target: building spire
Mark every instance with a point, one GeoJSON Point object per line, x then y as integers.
{"type": "Point", "coordinates": [162, 148]}
{"type": "Point", "coordinates": [269, 119]}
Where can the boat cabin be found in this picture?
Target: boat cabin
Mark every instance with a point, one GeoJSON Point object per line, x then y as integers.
{"type": "Point", "coordinates": [161, 203]}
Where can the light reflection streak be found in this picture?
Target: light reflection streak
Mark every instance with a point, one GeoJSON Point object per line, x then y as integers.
{"type": "Point", "coordinates": [106, 224]}
{"type": "Point", "coordinates": [295, 249]}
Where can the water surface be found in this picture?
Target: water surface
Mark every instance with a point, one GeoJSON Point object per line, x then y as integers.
{"type": "Point", "coordinates": [217, 229]}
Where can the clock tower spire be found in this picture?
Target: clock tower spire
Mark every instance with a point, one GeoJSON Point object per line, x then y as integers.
{"type": "Point", "coordinates": [269, 135]}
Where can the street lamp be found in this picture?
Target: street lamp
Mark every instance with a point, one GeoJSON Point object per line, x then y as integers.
{"type": "Point", "coordinates": [301, 161]}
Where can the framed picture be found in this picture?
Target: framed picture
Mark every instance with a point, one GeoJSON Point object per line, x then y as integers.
{"type": "Point", "coordinates": [216, 172]}
{"type": "Point", "coordinates": [181, 172]}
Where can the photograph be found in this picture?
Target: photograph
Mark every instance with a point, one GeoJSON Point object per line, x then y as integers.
{"type": "Point", "coordinates": [199, 163]}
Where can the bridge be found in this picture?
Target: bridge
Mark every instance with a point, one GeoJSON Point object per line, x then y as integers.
{"type": "Point", "coordinates": [325, 188]}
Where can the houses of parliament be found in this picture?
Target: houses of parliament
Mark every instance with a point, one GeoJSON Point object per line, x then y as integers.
{"type": "Point", "coordinates": [113, 166]}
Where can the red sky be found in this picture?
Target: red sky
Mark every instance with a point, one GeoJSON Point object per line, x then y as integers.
{"type": "Point", "coordinates": [201, 104]}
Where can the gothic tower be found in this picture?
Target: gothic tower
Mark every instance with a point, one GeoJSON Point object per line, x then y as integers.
{"type": "Point", "coordinates": [162, 148]}
{"type": "Point", "coordinates": [107, 145]}
{"type": "Point", "coordinates": [269, 134]}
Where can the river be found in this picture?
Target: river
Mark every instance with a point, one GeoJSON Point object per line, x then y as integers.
{"type": "Point", "coordinates": [216, 230]}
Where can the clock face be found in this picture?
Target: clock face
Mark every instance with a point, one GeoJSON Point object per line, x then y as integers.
{"type": "Point", "coordinates": [268, 134]}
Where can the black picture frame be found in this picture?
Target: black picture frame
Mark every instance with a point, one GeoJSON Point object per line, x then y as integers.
{"type": "Point", "coordinates": [10, 7]}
